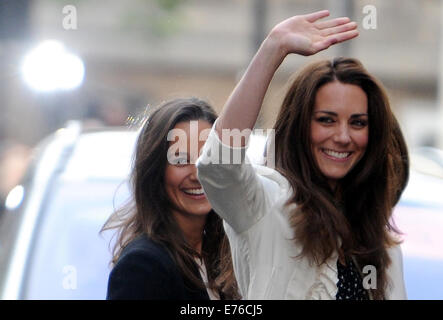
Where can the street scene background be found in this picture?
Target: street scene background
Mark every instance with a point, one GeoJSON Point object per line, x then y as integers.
{"type": "Point", "coordinates": [124, 55]}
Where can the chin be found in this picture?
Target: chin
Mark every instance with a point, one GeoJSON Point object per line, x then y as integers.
{"type": "Point", "coordinates": [201, 212]}
{"type": "Point", "coordinates": [335, 176]}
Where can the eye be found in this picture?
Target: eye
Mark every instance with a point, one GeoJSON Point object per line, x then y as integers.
{"type": "Point", "coordinates": [359, 123]}
{"type": "Point", "coordinates": [325, 120]}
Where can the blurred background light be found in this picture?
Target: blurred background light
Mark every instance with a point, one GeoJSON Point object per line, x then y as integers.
{"type": "Point", "coordinates": [15, 197]}
{"type": "Point", "coordinates": [50, 67]}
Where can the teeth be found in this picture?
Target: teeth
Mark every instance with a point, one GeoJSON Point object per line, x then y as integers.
{"type": "Point", "coordinates": [340, 155]}
{"type": "Point", "coordinates": [194, 191]}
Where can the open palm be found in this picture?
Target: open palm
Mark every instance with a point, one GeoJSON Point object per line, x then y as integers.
{"type": "Point", "coordinates": [306, 35]}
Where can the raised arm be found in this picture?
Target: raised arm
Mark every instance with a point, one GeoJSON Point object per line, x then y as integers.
{"type": "Point", "coordinates": [304, 35]}
{"type": "Point", "coordinates": [236, 192]}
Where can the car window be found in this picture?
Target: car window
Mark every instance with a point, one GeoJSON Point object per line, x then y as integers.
{"type": "Point", "coordinates": [70, 259]}
{"type": "Point", "coordinates": [419, 216]}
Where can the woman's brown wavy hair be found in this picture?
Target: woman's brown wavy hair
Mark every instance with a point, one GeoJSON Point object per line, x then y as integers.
{"type": "Point", "coordinates": [149, 212]}
{"type": "Point", "coordinates": [358, 213]}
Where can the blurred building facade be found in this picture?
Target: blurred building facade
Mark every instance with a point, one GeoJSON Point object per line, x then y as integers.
{"type": "Point", "coordinates": [139, 52]}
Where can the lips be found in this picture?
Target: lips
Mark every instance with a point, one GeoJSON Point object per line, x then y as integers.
{"type": "Point", "coordinates": [336, 155]}
{"type": "Point", "coordinates": [194, 191]}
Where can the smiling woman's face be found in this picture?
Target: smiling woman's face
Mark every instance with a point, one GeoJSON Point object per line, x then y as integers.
{"type": "Point", "coordinates": [182, 186]}
{"type": "Point", "coordinates": [339, 128]}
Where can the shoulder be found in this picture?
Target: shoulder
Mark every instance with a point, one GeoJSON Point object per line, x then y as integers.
{"type": "Point", "coordinates": [396, 286]}
{"type": "Point", "coordinates": [144, 245]}
{"type": "Point", "coordinates": [395, 251]}
{"type": "Point", "coordinates": [144, 249]}
{"type": "Point", "coordinates": [144, 270]}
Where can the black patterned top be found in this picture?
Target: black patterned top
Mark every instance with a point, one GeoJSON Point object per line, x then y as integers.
{"type": "Point", "coordinates": [350, 283]}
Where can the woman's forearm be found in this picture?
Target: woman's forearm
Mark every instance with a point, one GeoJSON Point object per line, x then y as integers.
{"type": "Point", "coordinates": [304, 35]}
{"type": "Point", "coordinates": [243, 106]}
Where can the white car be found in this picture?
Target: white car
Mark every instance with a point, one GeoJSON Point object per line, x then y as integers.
{"type": "Point", "coordinates": [419, 215]}
{"type": "Point", "coordinates": [50, 246]}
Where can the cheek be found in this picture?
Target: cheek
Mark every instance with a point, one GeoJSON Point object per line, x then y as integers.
{"type": "Point", "coordinates": [318, 133]}
{"type": "Point", "coordinates": [172, 179]}
{"type": "Point", "coordinates": [361, 139]}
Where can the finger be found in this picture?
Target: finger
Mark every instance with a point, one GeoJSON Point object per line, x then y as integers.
{"type": "Point", "coordinates": [322, 45]}
{"type": "Point", "coordinates": [339, 29]}
{"type": "Point", "coordinates": [334, 39]}
{"type": "Point", "coordinates": [332, 23]}
{"type": "Point", "coordinates": [344, 36]}
{"type": "Point", "coordinates": [312, 17]}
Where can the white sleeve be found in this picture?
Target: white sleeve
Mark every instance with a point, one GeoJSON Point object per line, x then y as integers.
{"type": "Point", "coordinates": [396, 288]}
{"type": "Point", "coordinates": [235, 191]}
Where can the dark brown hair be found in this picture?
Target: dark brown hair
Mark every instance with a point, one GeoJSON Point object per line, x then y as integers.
{"type": "Point", "coordinates": [358, 213]}
{"type": "Point", "coordinates": [150, 211]}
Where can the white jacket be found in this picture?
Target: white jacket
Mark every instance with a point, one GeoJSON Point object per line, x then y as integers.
{"type": "Point", "coordinates": [251, 201]}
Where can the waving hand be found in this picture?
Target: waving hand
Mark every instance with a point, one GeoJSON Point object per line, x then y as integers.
{"type": "Point", "coordinates": [304, 35]}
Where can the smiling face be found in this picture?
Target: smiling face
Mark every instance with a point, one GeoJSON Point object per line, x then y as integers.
{"type": "Point", "coordinates": [339, 129]}
{"type": "Point", "coordinates": [182, 186]}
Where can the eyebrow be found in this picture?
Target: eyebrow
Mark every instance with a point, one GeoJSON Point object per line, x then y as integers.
{"type": "Point", "coordinates": [355, 115]}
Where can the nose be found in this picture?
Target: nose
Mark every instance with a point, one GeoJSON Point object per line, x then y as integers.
{"type": "Point", "coordinates": [342, 134]}
{"type": "Point", "coordinates": [193, 173]}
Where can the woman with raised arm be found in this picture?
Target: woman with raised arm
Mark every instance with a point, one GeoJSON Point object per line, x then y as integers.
{"type": "Point", "coordinates": [318, 225]}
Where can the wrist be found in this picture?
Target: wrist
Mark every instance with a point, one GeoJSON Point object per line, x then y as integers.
{"type": "Point", "coordinates": [273, 49]}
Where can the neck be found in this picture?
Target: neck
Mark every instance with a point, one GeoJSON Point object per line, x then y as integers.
{"type": "Point", "coordinates": [333, 185]}
{"type": "Point", "coordinates": [336, 189]}
{"type": "Point", "coordinates": [192, 228]}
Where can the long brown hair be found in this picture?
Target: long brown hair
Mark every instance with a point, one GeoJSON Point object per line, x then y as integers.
{"type": "Point", "coordinates": [355, 219]}
{"type": "Point", "coordinates": [149, 212]}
